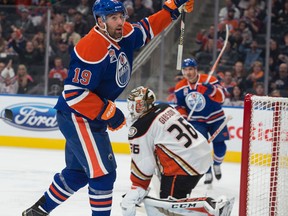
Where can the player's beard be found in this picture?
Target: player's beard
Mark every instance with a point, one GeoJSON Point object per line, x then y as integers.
{"type": "Point", "coordinates": [116, 33]}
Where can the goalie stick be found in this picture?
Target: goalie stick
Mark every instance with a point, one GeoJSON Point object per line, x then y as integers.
{"type": "Point", "coordinates": [8, 115]}
{"type": "Point", "coordinates": [212, 70]}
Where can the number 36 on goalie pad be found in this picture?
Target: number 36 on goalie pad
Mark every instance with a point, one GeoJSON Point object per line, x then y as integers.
{"type": "Point", "coordinates": [200, 206]}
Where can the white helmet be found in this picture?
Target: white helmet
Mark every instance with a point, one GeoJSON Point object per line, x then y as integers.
{"type": "Point", "coordinates": [140, 100]}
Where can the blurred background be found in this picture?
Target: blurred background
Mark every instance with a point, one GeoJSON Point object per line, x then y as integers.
{"type": "Point", "coordinates": [36, 37]}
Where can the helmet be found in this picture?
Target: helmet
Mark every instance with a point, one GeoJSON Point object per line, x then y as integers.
{"type": "Point", "coordinates": [189, 62]}
{"type": "Point", "coordinates": [102, 8]}
{"type": "Point", "coordinates": [140, 100]}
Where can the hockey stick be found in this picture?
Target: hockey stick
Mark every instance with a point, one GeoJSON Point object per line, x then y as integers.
{"type": "Point", "coordinates": [8, 115]}
{"type": "Point", "coordinates": [194, 107]}
{"type": "Point", "coordinates": [219, 56]}
{"type": "Point", "coordinates": [212, 69]}
{"type": "Point", "coordinates": [181, 41]}
{"type": "Point", "coordinates": [227, 119]}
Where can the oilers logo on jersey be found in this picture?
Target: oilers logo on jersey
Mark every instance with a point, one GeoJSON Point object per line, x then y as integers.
{"type": "Point", "coordinates": [123, 70]}
{"type": "Point", "coordinates": [191, 99]}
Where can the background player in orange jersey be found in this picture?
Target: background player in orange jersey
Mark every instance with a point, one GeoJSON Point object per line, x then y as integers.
{"type": "Point", "coordinates": [200, 100]}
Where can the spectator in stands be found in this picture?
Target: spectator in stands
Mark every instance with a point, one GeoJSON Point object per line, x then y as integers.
{"type": "Point", "coordinates": [80, 25]}
{"type": "Point", "coordinates": [63, 53]}
{"type": "Point", "coordinates": [243, 5]}
{"type": "Point", "coordinates": [83, 7]}
{"type": "Point", "coordinates": [140, 10]}
{"type": "Point", "coordinates": [25, 81]}
{"type": "Point", "coordinates": [130, 10]}
{"type": "Point", "coordinates": [284, 45]}
{"type": "Point", "coordinates": [54, 41]}
{"type": "Point", "coordinates": [69, 15]}
{"type": "Point", "coordinates": [283, 16]}
{"type": "Point", "coordinates": [58, 71]}
{"type": "Point", "coordinates": [251, 54]}
{"type": "Point", "coordinates": [38, 41]}
{"type": "Point", "coordinates": [224, 11]}
{"type": "Point", "coordinates": [246, 34]}
{"type": "Point", "coordinates": [25, 22]}
{"type": "Point", "coordinates": [29, 55]}
{"type": "Point", "coordinates": [3, 45]}
{"type": "Point", "coordinates": [259, 7]}
{"type": "Point", "coordinates": [5, 25]}
{"type": "Point", "coordinates": [230, 20]}
{"type": "Point", "coordinates": [259, 89]}
{"type": "Point", "coordinates": [274, 51]}
{"type": "Point", "coordinates": [239, 75]}
{"type": "Point", "coordinates": [252, 21]}
{"type": "Point", "coordinates": [256, 76]}
{"type": "Point", "coordinates": [70, 36]}
{"type": "Point", "coordinates": [16, 37]}
{"type": "Point", "coordinates": [281, 80]}
{"type": "Point", "coordinates": [276, 7]}
{"type": "Point", "coordinates": [236, 98]}
{"type": "Point", "coordinates": [276, 93]}
{"type": "Point", "coordinates": [229, 57]}
{"type": "Point", "coordinates": [8, 80]}
{"type": "Point", "coordinates": [228, 83]}
{"type": "Point", "coordinates": [235, 40]}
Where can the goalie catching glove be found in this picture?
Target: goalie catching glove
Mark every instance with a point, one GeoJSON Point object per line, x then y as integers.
{"type": "Point", "coordinates": [112, 115]}
{"type": "Point", "coordinates": [132, 198]}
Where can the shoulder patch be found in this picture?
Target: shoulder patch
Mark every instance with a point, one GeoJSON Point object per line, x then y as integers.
{"type": "Point", "coordinates": [93, 47]}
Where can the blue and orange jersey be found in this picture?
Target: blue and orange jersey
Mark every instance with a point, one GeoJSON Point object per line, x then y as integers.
{"type": "Point", "coordinates": [208, 108]}
{"type": "Point", "coordinates": [100, 68]}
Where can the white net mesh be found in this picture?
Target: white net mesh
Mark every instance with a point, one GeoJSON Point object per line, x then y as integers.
{"type": "Point", "coordinates": [268, 157]}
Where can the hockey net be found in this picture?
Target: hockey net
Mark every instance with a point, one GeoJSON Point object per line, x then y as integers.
{"type": "Point", "coordinates": [264, 165]}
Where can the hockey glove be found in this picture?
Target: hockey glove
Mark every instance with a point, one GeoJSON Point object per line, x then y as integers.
{"type": "Point", "coordinates": [112, 115]}
{"type": "Point", "coordinates": [133, 197]}
{"type": "Point", "coordinates": [172, 5]}
{"type": "Point", "coordinates": [207, 89]}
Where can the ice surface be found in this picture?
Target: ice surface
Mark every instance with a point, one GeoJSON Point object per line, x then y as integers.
{"type": "Point", "coordinates": [26, 173]}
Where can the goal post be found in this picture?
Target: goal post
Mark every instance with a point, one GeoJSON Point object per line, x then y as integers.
{"type": "Point", "coordinates": [264, 164]}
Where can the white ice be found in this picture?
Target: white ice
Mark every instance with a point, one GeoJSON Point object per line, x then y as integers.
{"type": "Point", "coordinates": [25, 174]}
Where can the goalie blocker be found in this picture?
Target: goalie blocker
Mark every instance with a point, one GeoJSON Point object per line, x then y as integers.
{"type": "Point", "coordinates": [199, 206]}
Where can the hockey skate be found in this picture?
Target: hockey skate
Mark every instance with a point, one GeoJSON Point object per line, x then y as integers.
{"type": "Point", "coordinates": [36, 209]}
{"type": "Point", "coordinates": [208, 177]}
{"type": "Point", "coordinates": [217, 171]}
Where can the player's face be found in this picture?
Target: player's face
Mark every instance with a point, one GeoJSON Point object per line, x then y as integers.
{"type": "Point", "coordinates": [114, 23]}
{"type": "Point", "coordinates": [190, 73]}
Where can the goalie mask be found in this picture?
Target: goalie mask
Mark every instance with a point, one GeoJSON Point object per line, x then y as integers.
{"type": "Point", "coordinates": [140, 100]}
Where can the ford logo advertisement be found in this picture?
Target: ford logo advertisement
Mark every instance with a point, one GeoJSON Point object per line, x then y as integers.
{"type": "Point", "coordinates": [33, 116]}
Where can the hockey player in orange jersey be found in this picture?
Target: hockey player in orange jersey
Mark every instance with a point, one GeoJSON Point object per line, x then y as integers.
{"type": "Point", "coordinates": [99, 71]}
{"type": "Point", "coordinates": [200, 100]}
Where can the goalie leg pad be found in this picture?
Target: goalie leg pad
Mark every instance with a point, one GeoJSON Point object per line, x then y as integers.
{"type": "Point", "coordinates": [188, 207]}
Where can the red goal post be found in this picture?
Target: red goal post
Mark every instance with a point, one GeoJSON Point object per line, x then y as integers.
{"type": "Point", "coordinates": [264, 164]}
